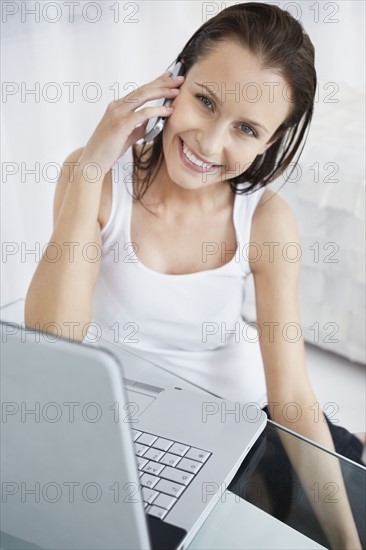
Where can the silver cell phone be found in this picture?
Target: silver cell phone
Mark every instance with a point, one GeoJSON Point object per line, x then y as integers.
{"type": "Point", "coordinates": [156, 124]}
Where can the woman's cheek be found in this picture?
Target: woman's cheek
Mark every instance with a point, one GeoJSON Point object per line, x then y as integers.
{"type": "Point", "coordinates": [247, 161]}
{"type": "Point", "coordinates": [183, 107]}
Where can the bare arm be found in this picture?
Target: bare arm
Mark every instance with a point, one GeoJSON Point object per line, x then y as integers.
{"type": "Point", "coordinates": [283, 352]}
{"type": "Point", "coordinates": [61, 291]}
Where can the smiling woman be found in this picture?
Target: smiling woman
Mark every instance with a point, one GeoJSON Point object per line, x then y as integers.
{"type": "Point", "coordinates": [190, 218]}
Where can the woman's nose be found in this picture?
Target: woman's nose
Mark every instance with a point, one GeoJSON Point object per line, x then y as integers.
{"type": "Point", "coordinates": [211, 141]}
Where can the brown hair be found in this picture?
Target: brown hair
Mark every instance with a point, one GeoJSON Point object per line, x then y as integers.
{"type": "Point", "coordinates": [282, 45]}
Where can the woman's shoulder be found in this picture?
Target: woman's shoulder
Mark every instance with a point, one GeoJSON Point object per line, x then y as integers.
{"type": "Point", "coordinates": [271, 210]}
{"type": "Point", "coordinates": [273, 222]}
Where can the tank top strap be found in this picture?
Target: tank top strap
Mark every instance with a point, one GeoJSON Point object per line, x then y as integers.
{"type": "Point", "coordinates": [123, 171]}
{"type": "Point", "coordinates": [244, 208]}
{"type": "Point", "coordinates": [121, 174]}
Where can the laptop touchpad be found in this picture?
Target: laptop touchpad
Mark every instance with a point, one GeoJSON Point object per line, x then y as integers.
{"type": "Point", "coordinates": [137, 403]}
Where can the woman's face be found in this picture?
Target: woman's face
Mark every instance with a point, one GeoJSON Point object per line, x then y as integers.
{"type": "Point", "coordinates": [228, 123]}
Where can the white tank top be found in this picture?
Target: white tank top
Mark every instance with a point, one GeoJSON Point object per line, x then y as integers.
{"type": "Point", "coordinates": [190, 323]}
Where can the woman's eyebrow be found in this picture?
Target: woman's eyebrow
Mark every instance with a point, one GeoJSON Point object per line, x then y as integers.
{"type": "Point", "coordinates": [210, 92]}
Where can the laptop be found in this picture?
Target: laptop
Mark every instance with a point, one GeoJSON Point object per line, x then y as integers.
{"type": "Point", "coordinates": [92, 459]}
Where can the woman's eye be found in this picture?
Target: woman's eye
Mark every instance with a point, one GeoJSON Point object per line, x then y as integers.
{"type": "Point", "coordinates": [203, 97]}
{"type": "Point", "coordinates": [251, 133]}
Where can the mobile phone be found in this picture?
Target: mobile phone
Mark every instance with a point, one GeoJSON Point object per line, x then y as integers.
{"type": "Point", "coordinates": [156, 124]}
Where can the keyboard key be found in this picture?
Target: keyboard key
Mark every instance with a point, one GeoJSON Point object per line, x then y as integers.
{"type": "Point", "coordinates": [158, 512]}
{"type": "Point", "coordinates": [140, 449]}
{"type": "Point", "coordinates": [163, 444]}
{"type": "Point", "coordinates": [147, 439]}
{"type": "Point", "coordinates": [197, 454]}
{"type": "Point", "coordinates": [153, 467]}
{"type": "Point", "coordinates": [169, 487]}
{"type": "Point", "coordinates": [154, 454]}
{"type": "Point", "coordinates": [164, 475]}
{"type": "Point", "coordinates": [165, 501]}
{"type": "Point", "coordinates": [141, 462]}
{"type": "Point", "coordinates": [170, 459]}
{"type": "Point", "coordinates": [179, 476]}
{"type": "Point", "coordinates": [148, 480]}
{"type": "Point", "coordinates": [190, 465]}
{"type": "Point", "coordinates": [178, 449]}
{"type": "Point", "coordinates": [135, 434]}
{"type": "Point", "coordinates": [149, 495]}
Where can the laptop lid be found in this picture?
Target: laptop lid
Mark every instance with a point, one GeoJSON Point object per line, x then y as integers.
{"type": "Point", "coordinates": [69, 473]}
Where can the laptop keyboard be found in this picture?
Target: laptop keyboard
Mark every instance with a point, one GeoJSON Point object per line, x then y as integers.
{"type": "Point", "coordinates": [166, 468]}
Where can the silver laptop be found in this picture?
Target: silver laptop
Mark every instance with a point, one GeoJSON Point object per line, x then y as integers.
{"type": "Point", "coordinates": [91, 459]}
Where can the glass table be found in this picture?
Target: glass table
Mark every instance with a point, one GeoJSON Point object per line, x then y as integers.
{"type": "Point", "coordinates": [265, 479]}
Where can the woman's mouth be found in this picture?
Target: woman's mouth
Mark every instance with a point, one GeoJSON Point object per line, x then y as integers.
{"type": "Point", "coordinates": [192, 162]}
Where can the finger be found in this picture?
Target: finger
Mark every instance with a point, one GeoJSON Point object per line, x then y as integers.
{"type": "Point", "coordinates": [174, 81]}
{"type": "Point", "coordinates": [135, 100]}
{"type": "Point", "coordinates": [150, 112]}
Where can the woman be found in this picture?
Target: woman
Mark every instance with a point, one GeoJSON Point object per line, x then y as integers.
{"type": "Point", "coordinates": [238, 117]}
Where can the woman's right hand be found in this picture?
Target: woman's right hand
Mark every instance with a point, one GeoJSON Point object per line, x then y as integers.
{"type": "Point", "coordinates": [121, 125]}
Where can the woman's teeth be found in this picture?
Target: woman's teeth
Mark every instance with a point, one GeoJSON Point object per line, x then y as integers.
{"type": "Point", "coordinates": [194, 159]}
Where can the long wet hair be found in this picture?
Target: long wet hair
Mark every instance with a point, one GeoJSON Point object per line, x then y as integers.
{"type": "Point", "coordinates": [281, 45]}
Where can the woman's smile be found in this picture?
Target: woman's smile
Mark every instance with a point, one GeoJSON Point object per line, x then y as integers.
{"type": "Point", "coordinates": [192, 161]}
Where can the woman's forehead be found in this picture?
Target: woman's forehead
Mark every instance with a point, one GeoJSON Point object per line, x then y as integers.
{"type": "Point", "coordinates": [232, 62]}
{"type": "Point", "coordinates": [234, 76]}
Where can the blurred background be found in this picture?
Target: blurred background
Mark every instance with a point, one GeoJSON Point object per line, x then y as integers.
{"type": "Point", "coordinates": [62, 63]}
